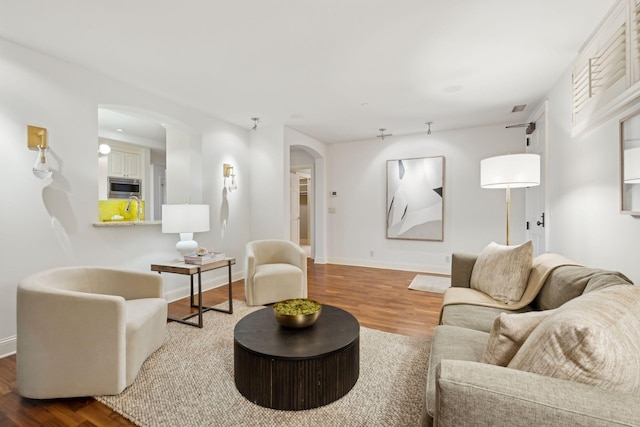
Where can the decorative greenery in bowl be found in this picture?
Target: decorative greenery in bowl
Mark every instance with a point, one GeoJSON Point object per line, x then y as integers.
{"type": "Point", "coordinates": [297, 313]}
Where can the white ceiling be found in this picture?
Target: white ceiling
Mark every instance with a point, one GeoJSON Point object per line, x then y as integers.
{"type": "Point", "coordinates": [336, 70]}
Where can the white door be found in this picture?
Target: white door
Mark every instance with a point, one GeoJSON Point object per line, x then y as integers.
{"type": "Point", "coordinates": [536, 215]}
{"type": "Point", "coordinates": [294, 201]}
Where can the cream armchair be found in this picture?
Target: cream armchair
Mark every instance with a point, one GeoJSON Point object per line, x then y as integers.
{"type": "Point", "coordinates": [275, 270]}
{"type": "Point", "coordinates": [85, 331]}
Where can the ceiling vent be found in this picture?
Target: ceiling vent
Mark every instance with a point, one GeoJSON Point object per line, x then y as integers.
{"type": "Point", "coordinates": [518, 108]}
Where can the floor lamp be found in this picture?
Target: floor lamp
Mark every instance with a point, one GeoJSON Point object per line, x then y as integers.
{"type": "Point", "coordinates": [185, 220]}
{"type": "Point", "coordinates": [510, 171]}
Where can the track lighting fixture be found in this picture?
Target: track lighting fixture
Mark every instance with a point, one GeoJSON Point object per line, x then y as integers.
{"type": "Point", "coordinates": [255, 122]}
{"type": "Point", "coordinates": [531, 126]}
{"type": "Point", "coordinates": [382, 134]}
{"type": "Point", "coordinates": [428, 127]}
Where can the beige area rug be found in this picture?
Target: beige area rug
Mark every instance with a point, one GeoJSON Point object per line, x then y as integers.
{"type": "Point", "coordinates": [189, 382]}
{"type": "Point", "coordinates": [423, 282]}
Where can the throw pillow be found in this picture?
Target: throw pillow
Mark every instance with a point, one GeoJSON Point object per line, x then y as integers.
{"type": "Point", "coordinates": [502, 272]}
{"type": "Point", "coordinates": [593, 339]}
{"type": "Point", "coordinates": [508, 333]}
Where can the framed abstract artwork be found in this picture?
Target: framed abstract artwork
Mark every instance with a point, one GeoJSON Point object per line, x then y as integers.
{"type": "Point", "coordinates": [415, 199]}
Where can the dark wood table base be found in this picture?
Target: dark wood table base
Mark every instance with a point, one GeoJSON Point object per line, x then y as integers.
{"type": "Point", "coordinates": [296, 369]}
{"type": "Point", "coordinates": [284, 384]}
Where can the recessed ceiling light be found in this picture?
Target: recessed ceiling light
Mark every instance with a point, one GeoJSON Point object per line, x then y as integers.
{"type": "Point", "coordinates": [119, 130]}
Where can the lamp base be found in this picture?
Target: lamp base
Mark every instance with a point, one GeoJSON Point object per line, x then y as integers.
{"type": "Point", "coordinates": [186, 245]}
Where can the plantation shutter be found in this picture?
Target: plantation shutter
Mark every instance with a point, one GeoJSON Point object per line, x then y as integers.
{"type": "Point", "coordinates": [601, 72]}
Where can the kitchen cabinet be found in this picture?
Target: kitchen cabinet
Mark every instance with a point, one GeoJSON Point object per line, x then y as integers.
{"type": "Point", "coordinates": [124, 164]}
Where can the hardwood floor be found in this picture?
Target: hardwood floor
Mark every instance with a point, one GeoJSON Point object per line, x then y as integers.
{"type": "Point", "coordinates": [378, 298]}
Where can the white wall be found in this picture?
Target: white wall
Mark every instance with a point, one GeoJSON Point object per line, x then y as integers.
{"type": "Point", "coordinates": [230, 214]}
{"type": "Point", "coordinates": [473, 216]}
{"type": "Point", "coordinates": [584, 192]}
{"type": "Point", "coordinates": [48, 223]}
{"type": "Point", "coordinates": [267, 174]}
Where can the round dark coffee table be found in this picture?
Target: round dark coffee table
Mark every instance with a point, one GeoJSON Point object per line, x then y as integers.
{"type": "Point", "coordinates": [295, 369]}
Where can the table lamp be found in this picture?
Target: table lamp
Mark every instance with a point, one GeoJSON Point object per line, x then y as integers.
{"type": "Point", "coordinates": [186, 220]}
{"type": "Point", "coordinates": [510, 171]}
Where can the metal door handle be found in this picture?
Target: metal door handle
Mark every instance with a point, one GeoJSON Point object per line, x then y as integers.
{"type": "Point", "coordinates": [541, 222]}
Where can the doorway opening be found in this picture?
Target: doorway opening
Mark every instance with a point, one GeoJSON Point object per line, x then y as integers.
{"type": "Point", "coordinates": [301, 196]}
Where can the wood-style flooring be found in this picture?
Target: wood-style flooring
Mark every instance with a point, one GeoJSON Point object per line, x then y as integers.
{"type": "Point", "coordinates": [378, 298]}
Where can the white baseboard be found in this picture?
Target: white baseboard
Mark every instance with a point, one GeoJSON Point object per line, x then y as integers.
{"type": "Point", "coordinates": [8, 346]}
{"type": "Point", "coordinates": [420, 268]}
{"type": "Point", "coordinates": [183, 292]}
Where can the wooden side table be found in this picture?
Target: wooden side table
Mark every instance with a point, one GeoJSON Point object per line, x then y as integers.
{"type": "Point", "coordinates": [179, 267]}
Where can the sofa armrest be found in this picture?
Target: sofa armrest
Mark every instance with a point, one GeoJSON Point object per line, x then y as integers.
{"type": "Point", "coordinates": [93, 343]}
{"type": "Point", "coordinates": [125, 283]}
{"type": "Point", "coordinates": [249, 270]}
{"type": "Point", "coordinates": [461, 267]}
{"type": "Point", "coordinates": [471, 393]}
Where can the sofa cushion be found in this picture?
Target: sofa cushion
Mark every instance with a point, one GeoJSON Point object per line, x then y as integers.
{"type": "Point", "coordinates": [606, 279]}
{"type": "Point", "coordinates": [593, 339]}
{"type": "Point", "coordinates": [502, 272]}
{"type": "Point", "coordinates": [471, 316]}
{"type": "Point", "coordinates": [508, 333]}
{"type": "Point", "coordinates": [452, 342]}
{"type": "Point", "coordinates": [568, 282]}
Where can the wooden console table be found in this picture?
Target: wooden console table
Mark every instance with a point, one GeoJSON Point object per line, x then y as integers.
{"type": "Point", "coordinates": [179, 267]}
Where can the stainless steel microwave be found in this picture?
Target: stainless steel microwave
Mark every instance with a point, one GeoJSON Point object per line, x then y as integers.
{"type": "Point", "coordinates": [123, 188]}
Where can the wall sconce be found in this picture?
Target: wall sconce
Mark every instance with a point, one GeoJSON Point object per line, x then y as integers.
{"type": "Point", "coordinates": [37, 140]}
{"type": "Point", "coordinates": [227, 172]}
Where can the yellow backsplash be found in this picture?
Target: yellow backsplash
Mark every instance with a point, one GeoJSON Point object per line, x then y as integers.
{"type": "Point", "coordinates": [107, 209]}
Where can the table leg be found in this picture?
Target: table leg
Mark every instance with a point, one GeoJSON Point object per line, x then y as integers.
{"type": "Point", "coordinates": [202, 309]}
{"type": "Point", "coordinates": [191, 294]}
{"type": "Point", "coordinates": [230, 284]}
{"type": "Point", "coordinates": [200, 323]}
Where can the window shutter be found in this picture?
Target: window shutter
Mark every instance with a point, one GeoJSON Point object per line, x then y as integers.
{"type": "Point", "coordinates": [603, 70]}
{"type": "Point", "coordinates": [610, 62]}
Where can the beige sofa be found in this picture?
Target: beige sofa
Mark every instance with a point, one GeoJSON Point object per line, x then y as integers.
{"type": "Point", "coordinates": [85, 331]}
{"type": "Point", "coordinates": [464, 391]}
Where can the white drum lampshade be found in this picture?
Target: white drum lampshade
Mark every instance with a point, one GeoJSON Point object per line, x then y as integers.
{"type": "Point", "coordinates": [510, 171]}
{"type": "Point", "coordinates": [185, 220]}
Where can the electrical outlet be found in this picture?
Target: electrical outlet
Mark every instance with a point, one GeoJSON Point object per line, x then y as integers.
{"type": "Point", "coordinates": [447, 259]}
{"type": "Point", "coordinates": [370, 253]}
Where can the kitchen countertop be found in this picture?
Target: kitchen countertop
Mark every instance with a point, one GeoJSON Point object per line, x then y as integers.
{"type": "Point", "coordinates": [125, 223]}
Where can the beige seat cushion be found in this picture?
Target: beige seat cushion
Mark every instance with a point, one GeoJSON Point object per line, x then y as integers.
{"type": "Point", "coordinates": [508, 333]}
{"type": "Point", "coordinates": [277, 282]}
{"type": "Point", "coordinates": [502, 272]}
{"type": "Point", "coordinates": [593, 339]}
